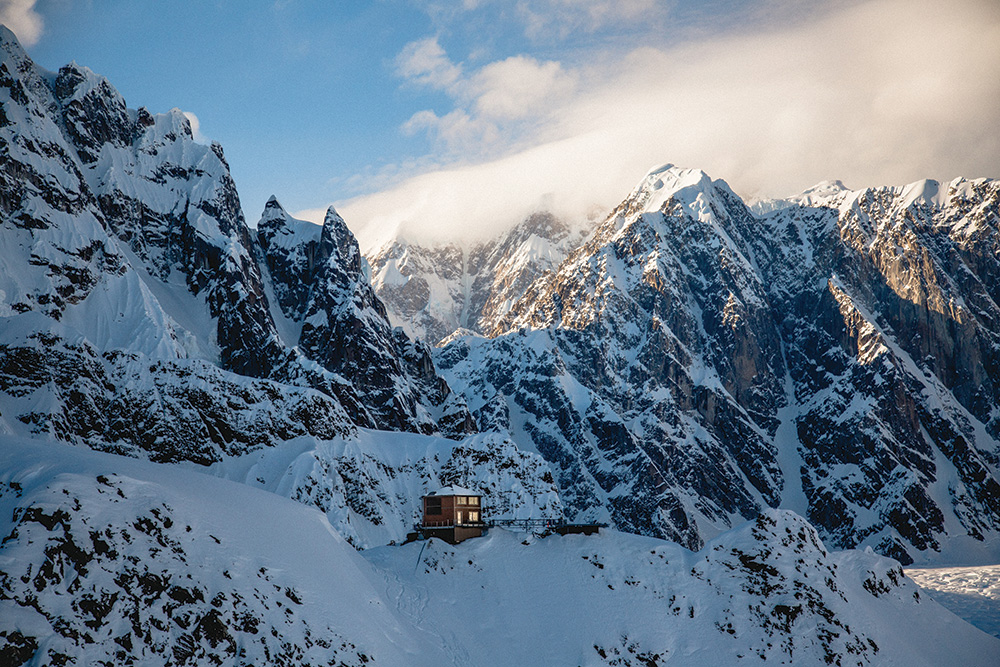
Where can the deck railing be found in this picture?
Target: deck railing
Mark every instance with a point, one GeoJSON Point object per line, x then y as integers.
{"type": "Point", "coordinates": [451, 524]}
{"type": "Point", "coordinates": [525, 524]}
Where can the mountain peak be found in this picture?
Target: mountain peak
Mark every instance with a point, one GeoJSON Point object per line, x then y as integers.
{"type": "Point", "coordinates": [338, 242]}
{"type": "Point", "coordinates": [273, 209]}
{"type": "Point", "coordinates": [75, 82]}
{"type": "Point", "coordinates": [10, 43]}
{"type": "Point", "coordinates": [701, 197]}
{"type": "Point", "coordinates": [668, 181]}
{"type": "Point", "coordinates": [333, 218]}
{"type": "Point", "coordinates": [12, 53]}
{"type": "Point", "coordinates": [824, 193]}
{"type": "Point", "coordinates": [277, 227]}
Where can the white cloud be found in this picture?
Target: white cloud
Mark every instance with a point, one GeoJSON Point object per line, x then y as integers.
{"type": "Point", "coordinates": [20, 16]}
{"type": "Point", "coordinates": [518, 87]}
{"type": "Point", "coordinates": [424, 62]}
{"type": "Point", "coordinates": [488, 100]}
{"type": "Point", "coordinates": [881, 92]}
{"type": "Point", "coordinates": [456, 132]}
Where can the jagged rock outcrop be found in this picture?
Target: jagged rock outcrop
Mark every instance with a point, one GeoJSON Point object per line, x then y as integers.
{"type": "Point", "coordinates": [693, 362]}
{"type": "Point", "coordinates": [321, 284]}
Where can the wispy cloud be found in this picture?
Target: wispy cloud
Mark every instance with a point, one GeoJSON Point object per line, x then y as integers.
{"type": "Point", "coordinates": [886, 91]}
{"type": "Point", "coordinates": [564, 17]}
{"type": "Point", "coordinates": [196, 128]}
{"type": "Point", "coordinates": [425, 63]}
{"type": "Point", "coordinates": [21, 17]}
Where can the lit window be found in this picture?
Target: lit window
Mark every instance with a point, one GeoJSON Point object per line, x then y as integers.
{"type": "Point", "coordinates": [473, 517]}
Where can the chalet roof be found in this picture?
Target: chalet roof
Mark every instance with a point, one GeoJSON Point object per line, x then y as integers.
{"type": "Point", "coordinates": [454, 491]}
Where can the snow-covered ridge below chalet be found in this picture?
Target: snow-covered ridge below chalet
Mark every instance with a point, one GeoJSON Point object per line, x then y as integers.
{"type": "Point", "coordinates": [370, 485]}
{"type": "Point", "coordinates": [100, 549]}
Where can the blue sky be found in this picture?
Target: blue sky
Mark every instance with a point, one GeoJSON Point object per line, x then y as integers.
{"type": "Point", "coordinates": [457, 118]}
{"type": "Point", "coordinates": [301, 95]}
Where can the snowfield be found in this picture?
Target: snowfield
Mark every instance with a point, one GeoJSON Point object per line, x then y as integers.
{"type": "Point", "coordinates": [106, 558]}
{"type": "Point", "coordinates": [970, 592]}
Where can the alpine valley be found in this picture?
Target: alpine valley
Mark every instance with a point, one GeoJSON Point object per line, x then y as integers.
{"type": "Point", "coordinates": [214, 437]}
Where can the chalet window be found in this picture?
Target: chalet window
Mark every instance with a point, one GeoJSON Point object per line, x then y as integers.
{"type": "Point", "coordinates": [474, 500]}
{"type": "Point", "coordinates": [473, 517]}
{"type": "Point", "coordinates": [432, 506]}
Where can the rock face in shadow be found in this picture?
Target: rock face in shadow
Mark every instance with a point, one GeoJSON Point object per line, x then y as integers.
{"type": "Point", "coordinates": [322, 287]}
{"type": "Point", "coordinates": [887, 303]}
{"type": "Point", "coordinates": [693, 362]}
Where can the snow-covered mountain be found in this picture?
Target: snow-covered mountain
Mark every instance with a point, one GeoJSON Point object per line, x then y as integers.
{"type": "Point", "coordinates": [692, 363]}
{"type": "Point", "coordinates": [432, 291]}
{"type": "Point", "coordinates": [127, 562]}
{"type": "Point", "coordinates": [140, 315]}
{"type": "Point", "coordinates": [134, 307]}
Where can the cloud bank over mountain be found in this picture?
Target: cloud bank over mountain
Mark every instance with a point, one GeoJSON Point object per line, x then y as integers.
{"type": "Point", "coordinates": [877, 92]}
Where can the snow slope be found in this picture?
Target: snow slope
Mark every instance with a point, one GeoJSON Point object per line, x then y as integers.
{"type": "Point", "coordinates": [111, 559]}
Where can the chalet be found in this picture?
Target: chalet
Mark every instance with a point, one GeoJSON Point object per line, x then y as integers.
{"type": "Point", "coordinates": [453, 514]}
